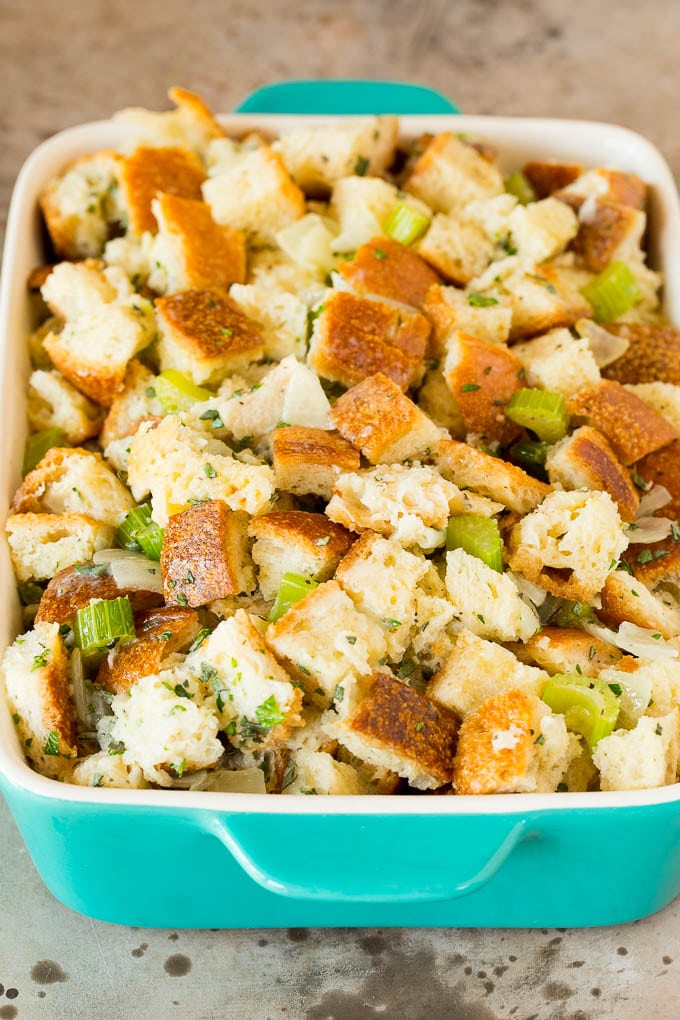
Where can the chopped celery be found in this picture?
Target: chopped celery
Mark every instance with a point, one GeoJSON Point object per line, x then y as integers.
{"type": "Point", "coordinates": [612, 292]}
{"type": "Point", "coordinates": [138, 518]}
{"type": "Point", "coordinates": [572, 614]}
{"type": "Point", "coordinates": [100, 623]}
{"type": "Point", "coordinates": [477, 535]}
{"type": "Point", "coordinates": [542, 411]}
{"type": "Point", "coordinates": [176, 392]}
{"type": "Point", "coordinates": [38, 444]}
{"type": "Point", "coordinates": [588, 705]}
{"type": "Point", "coordinates": [406, 224]}
{"type": "Point", "coordinates": [530, 455]}
{"type": "Point", "coordinates": [150, 540]}
{"type": "Point", "coordinates": [520, 186]}
{"type": "Point", "coordinates": [292, 589]}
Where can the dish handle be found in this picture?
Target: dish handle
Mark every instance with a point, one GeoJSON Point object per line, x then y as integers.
{"type": "Point", "coordinates": [345, 96]}
{"type": "Point", "coordinates": [380, 863]}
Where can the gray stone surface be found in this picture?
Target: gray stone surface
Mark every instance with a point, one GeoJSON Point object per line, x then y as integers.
{"type": "Point", "coordinates": [65, 62]}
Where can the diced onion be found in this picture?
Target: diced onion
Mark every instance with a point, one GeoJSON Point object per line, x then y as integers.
{"type": "Point", "coordinates": [605, 347]}
{"type": "Point", "coordinates": [224, 781]}
{"type": "Point", "coordinates": [636, 640]}
{"type": "Point", "coordinates": [533, 592]}
{"type": "Point", "coordinates": [308, 242]}
{"type": "Point", "coordinates": [649, 529]}
{"type": "Point", "coordinates": [636, 691]}
{"type": "Point", "coordinates": [657, 497]}
{"type": "Point", "coordinates": [130, 570]}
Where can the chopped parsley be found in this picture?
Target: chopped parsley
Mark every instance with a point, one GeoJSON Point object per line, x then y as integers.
{"type": "Point", "coordinates": [379, 253]}
{"type": "Point", "coordinates": [419, 726]}
{"type": "Point", "coordinates": [209, 471]}
{"type": "Point", "coordinates": [351, 639]}
{"type": "Point", "coordinates": [640, 482]}
{"type": "Point", "coordinates": [182, 599]}
{"type": "Point", "coordinates": [481, 301]}
{"type": "Point", "coordinates": [361, 166]}
{"type": "Point", "coordinates": [616, 689]}
{"type": "Point", "coordinates": [339, 693]}
{"type": "Point", "coordinates": [268, 713]}
{"type": "Point", "coordinates": [469, 387]}
{"type": "Point", "coordinates": [52, 745]}
{"type": "Point", "coordinates": [225, 331]}
{"type": "Point", "coordinates": [540, 740]}
{"type": "Point", "coordinates": [199, 639]}
{"type": "Point", "coordinates": [40, 660]}
{"type": "Point", "coordinates": [289, 775]}
{"type": "Point", "coordinates": [391, 624]}
{"type": "Point", "coordinates": [98, 779]}
{"type": "Point", "coordinates": [92, 569]}
{"type": "Point", "coordinates": [659, 729]}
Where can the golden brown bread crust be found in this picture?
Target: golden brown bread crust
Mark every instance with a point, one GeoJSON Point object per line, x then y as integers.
{"type": "Point", "coordinates": [209, 325]}
{"type": "Point", "coordinates": [480, 767]}
{"type": "Point", "coordinates": [298, 443]}
{"type": "Point", "coordinates": [199, 110]}
{"type": "Point", "coordinates": [149, 171]}
{"type": "Point", "coordinates": [59, 227]}
{"type": "Point", "coordinates": [118, 423]}
{"type": "Point", "coordinates": [569, 645]}
{"type": "Point", "coordinates": [567, 304]}
{"type": "Point", "coordinates": [201, 555]}
{"type": "Point", "coordinates": [550, 176]}
{"type": "Point", "coordinates": [665, 561]}
{"type": "Point", "coordinates": [72, 589]}
{"type": "Point", "coordinates": [375, 414]}
{"type": "Point", "coordinates": [28, 499]}
{"type": "Point", "coordinates": [498, 479]}
{"type": "Point", "coordinates": [214, 255]}
{"type": "Point", "coordinates": [622, 188]}
{"type": "Point", "coordinates": [653, 354]}
{"type": "Point", "coordinates": [160, 633]}
{"type": "Point", "coordinates": [38, 275]}
{"type": "Point", "coordinates": [624, 598]}
{"type": "Point", "coordinates": [100, 385]}
{"type": "Point", "coordinates": [386, 267]}
{"type": "Point", "coordinates": [632, 428]}
{"type": "Point", "coordinates": [482, 382]}
{"type": "Point", "coordinates": [662, 467]}
{"type": "Point", "coordinates": [396, 717]}
{"type": "Point", "coordinates": [58, 711]}
{"type": "Point", "coordinates": [313, 531]}
{"type": "Point", "coordinates": [599, 468]}
{"type": "Point", "coordinates": [600, 236]}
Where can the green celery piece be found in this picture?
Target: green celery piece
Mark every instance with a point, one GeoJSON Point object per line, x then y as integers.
{"type": "Point", "coordinates": [572, 614]}
{"type": "Point", "coordinates": [612, 292]}
{"type": "Point", "coordinates": [477, 535]}
{"type": "Point", "coordinates": [176, 392]}
{"type": "Point", "coordinates": [530, 455]}
{"type": "Point", "coordinates": [406, 224]}
{"type": "Point", "coordinates": [98, 624]}
{"type": "Point", "coordinates": [542, 411]}
{"type": "Point", "coordinates": [150, 540]}
{"type": "Point", "coordinates": [588, 704]}
{"type": "Point", "coordinates": [37, 445]}
{"type": "Point", "coordinates": [133, 522]}
{"type": "Point", "coordinates": [519, 185]}
{"type": "Point", "coordinates": [292, 589]}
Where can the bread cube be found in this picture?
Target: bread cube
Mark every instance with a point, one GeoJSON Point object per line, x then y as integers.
{"type": "Point", "coordinates": [317, 772]}
{"type": "Point", "coordinates": [40, 544]}
{"type": "Point", "coordinates": [569, 543]}
{"type": "Point", "coordinates": [548, 176]}
{"type": "Point", "coordinates": [543, 229]}
{"type": "Point", "coordinates": [325, 641]}
{"type": "Point", "coordinates": [661, 397]}
{"type": "Point", "coordinates": [104, 769]}
{"type": "Point", "coordinates": [82, 204]}
{"type": "Point", "coordinates": [36, 675]}
{"type": "Point", "coordinates": [652, 357]}
{"type": "Point", "coordinates": [632, 428]}
{"type": "Point", "coordinates": [452, 310]}
{"type": "Point", "coordinates": [382, 422]}
{"type": "Point", "coordinates": [497, 479]}
{"type": "Point", "coordinates": [558, 361]}
{"type": "Point", "coordinates": [361, 206]}
{"type": "Point", "coordinates": [161, 633]}
{"type": "Point", "coordinates": [390, 270]}
{"type": "Point", "coordinates": [482, 377]}
{"type": "Point", "coordinates": [436, 400]}
{"type": "Point", "coordinates": [662, 570]}
{"type": "Point", "coordinates": [627, 598]}
{"type": "Point", "coordinates": [146, 172]}
{"type": "Point", "coordinates": [660, 677]}
{"type": "Point", "coordinates": [612, 185]}
{"type": "Point", "coordinates": [293, 541]}
{"type": "Point", "coordinates": [476, 670]}
{"type": "Point", "coordinates": [190, 125]}
{"type": "Point", "coordinates": [486, 602]}
{"type": "Point", "coordinates": [450, 173]}
{"type": "Point", "coordinates": [397, 728]}
{"type": "Point", "coordinates": [567, 650]}
{"type": "Point", "coordinates": [280, 317]}
{"type": "Point", "coordinates": [492, 217]}
{"type": "Point", "coordinates": [544, 299]}
{"type": "Point", "coordinates": [585, 460]}
{"type": "Point", "coordinates": [640, 759]}
{"type": "Point", "coordinates": [176, 463]}
{"type": "Point", "coordinates": [205, 335]}
{"type": "Point", "coordinates": [54, 403]}
{"type": "Point", "coordinates": [136, 401]}
{"type": "Point", "coordinates": [607, 232]}
{"type": "Point", "coordinates": [308, 461]}
{"type": "Point", "coordinates": [73, 588]}
{"type": "Point", "coordinates": [663, 468]}
{"type": "Point", "coordinates": [458, 251]}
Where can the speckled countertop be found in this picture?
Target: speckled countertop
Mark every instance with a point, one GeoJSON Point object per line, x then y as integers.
{"type": "Point", "coordinates": [63, 63]}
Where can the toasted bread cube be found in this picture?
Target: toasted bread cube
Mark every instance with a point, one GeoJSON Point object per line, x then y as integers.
{"type": "Point", "coordinates": [627, 598]}
{"type": "Point", "coordinates": [81, 205]}
{"type": "Point", "coordinates": [482, 377]}
{"type": "Point", "coordinates": [176, 463]}
{"type": "Point", "coordinates": [612, 185]}
{"type": "Point", "coordinates": [451, 311]}
{"type": "Point", "coordinates": [640, 759]}
{"type": "Point", "coordinates": [662, 397]}
{"type": "Point", "coordinates": [40, 544]}
{"type": "Point", "coordinates": [567, 650]}
{"type": "Point", "coordinates": [361, 206]}
{"type": "Point", "coordinates": [292, 541]}
{"type": "Point", "coordinates": [548, 176]}
{"type": "Point", "coordinates": [585, 460]}
{"type": "Point", "coordinates": [568, 543]}
{"type": "Point", "coordinates": [558, 361]}
{"type": "Point", "coordinates": [486, 602]}
{"type": "Point", "coordinates": [632, 428]}
{"type": "Point", "coordinates": [390, 270]}
{"type": "Point", "coordinates": [205, 555]}
{"type": "Point", "coordinates": [309, 461]}
{"type": "Point", "coordinates": [500, 748]}
{"type": "Point", "coordinates": [608, 231]}
{"type": "Point", "coordinates": [318, 772]}
{"type": "Point", "coordinates": [149, 171]}
{"type": "Point", "coordinates": [36, 674]}
{"type": "Point", "coordinates": [191, 124]}
{"type": "Point", "coordinates": [477, 669]}
{"type": "Point", "coordinates": [411, 504]}
{"type": "Point", "coordinates": [104, 769]}
{"type": "Point", "coordinates": [663, 468]}
{"type": "Point", "coordinates": [397, 728]}
{"type": "Point", "coordinates": [382, 422]}
{"type": "Point", "coordinates": [54, 403]}
{"type": "Point", "coordinates": [160, 634]}
{"type": "Point", "coordinates": [73, 588]}
{"type": "Point", "coordinates": [255, 194]}
{"type": "Point", "coordinates": [543, 300]}
{"type": "Point", "coordinates": [497, 479]}
{"type": "Point", "coordinates": [436, 400]}
{"type": "Point", "coordinates": [542, 230]}
{"type": "Point", "coordinates": [312, 637]}
{"type": "Point", "coordinates": [652, 357]}
{"type": "Point", "coordinates": [354, 338]}
{"type": "Point", "coordinates": [73, 481]}
{"type": "Point", "coordinates": [280, 317]}
{"type": "Point", "coordinates": [191, 251]}
{"type": "Point", "coordinates": [136, 401]}
{"type": "Point", "coordinates": [450, 173]}
{"type": "Point", "coordinates": [381, 579]}
{"type": "Point", "coordinates": [663, 569]}
{"type": "Point", "coordinates": [458, 251]}
{"type": "Point", "coordinates": [205, 335]}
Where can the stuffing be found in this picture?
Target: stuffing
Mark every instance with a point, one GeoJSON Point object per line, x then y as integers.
{"type": "Point", "coordinates": [477, 669]}
{"type": "Point", "coordinates": [136, 401]}
{"type": "Point", "coordinates": [107, 323]}
{"type": "Point", "coordinates": [308, 461]}
{"type": "Point", "coordinates": [191, 124]}
{"type": "Point", "coordinates": [486, 602]}
{"type": "Point", "coordinates": [385, 268]}
{"type": "Point", "coordinates": [662, 397]}
{"type": "Point", "coordinates": [411, 504]}
{"type": "Point", "coordinates": [585, 460]}
{"type": "Point", "coordinates": [296, 542]}
{"type": "Point", "coordinates": [450, 173]}
{"type": "Point", "coordinates": [74, 587]}
{"type": "Point", "coordinates": [317, 772]}
{"type": "Point", "coordinates": [255, 194]}
{"type": "Point", "coordinates": [149, 171]}
{"type": "Point", "coordinates": [632, 428]}
{"type": "Point", "coordinates": [325, 642]}
{"type": "Point", "coordinates": [161, 633]}
{"type": "Point", "coordinates": [653, 355]}
{"type": "Point", "coordinates": [54, 403]}
{"type": "Point", "coordinates": [569, 543]}
{"type": "Point", "coordinates": [567, 650]}
{"type": "Point", "coordinates": [354, 338]}
{"type": "Point", "coordinates": [40, 544]}
{"type": "Point", "coordinates": [558, 361]}
{"type": "Point", "coordinates": [104, 769]}
{"type": "Point", "coordinates": [542, 230]}
{"type": "Point", "coordinates": [397, 728]}
{"type": "Point", "coordinates": [205, 555]}
{"type": "Point", "coordinates": [642, 758]}
{"type": "Point", "coordinates": [382, 422]}
{"type": "Point", "coordinates": [549, 176]}
{"type": "Point", "coordinates": [482, 377]}
{"type": "Point", "coordinates": [607, 232]}
{"type": "Point", "coordinates": [36, 677]}
{"type": "Point", "coordinates": [613, 185]}
{"type": "Point", "coordinates": [452, 310]}
{"type": "Point", "coordinates": [281, 318]}
{"type": "Point", "coordinates": [500, 748]}
{"type": "Point", "coordinates": [497, 479]}
{"type": "Point", "coordinates": [205, 335]}
{"type": "Point", "coordinates": [626, 598]}
{"type": "Point", "coordinates": [317, 156]}
{"type": "Point", "coordinates": [458, 251]}
{"type": "Point", "coordinates": [82, 204]}
{"type": "Point", "coordinates": [436, 400]}
{"type": "Point", "coordinates": [73, 481]}
{"type": "Point", "coordinates": [176, 463]}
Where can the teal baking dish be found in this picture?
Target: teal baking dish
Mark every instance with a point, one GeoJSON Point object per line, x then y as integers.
{"type": "Point", "coordinates": [190, 859]}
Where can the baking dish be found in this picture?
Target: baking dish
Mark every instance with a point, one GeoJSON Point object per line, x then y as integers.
{"type": "Point", "coordinates": [180, 859]}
